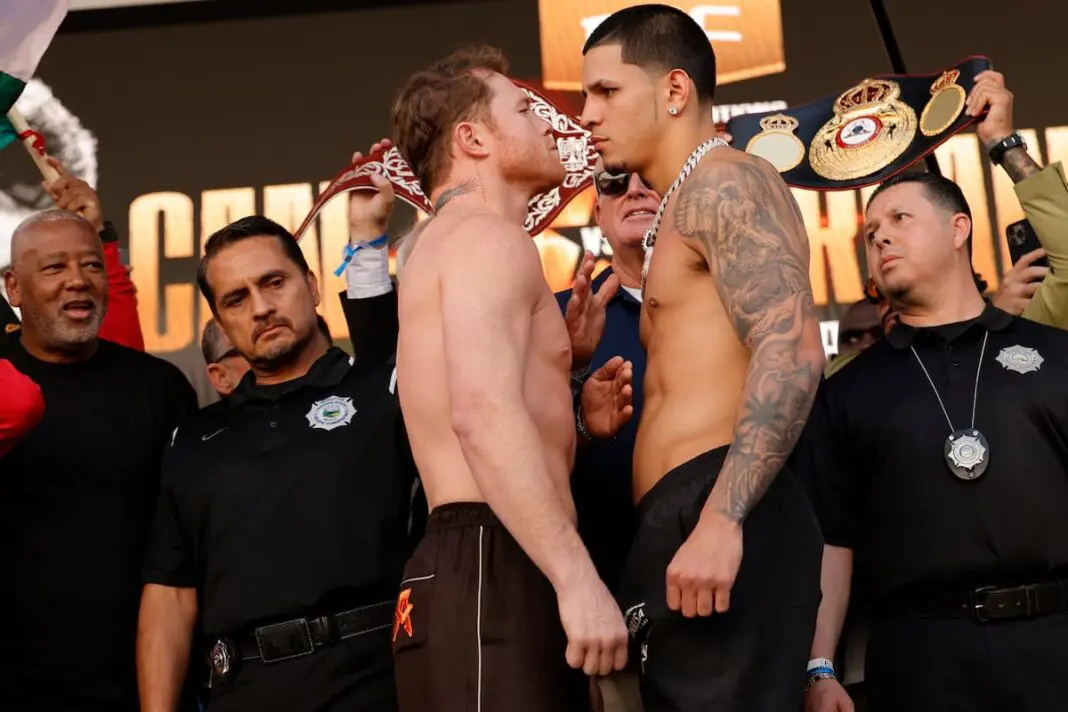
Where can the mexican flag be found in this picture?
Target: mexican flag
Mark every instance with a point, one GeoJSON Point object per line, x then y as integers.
{"type": "Point", "coordinates": [26, 30]}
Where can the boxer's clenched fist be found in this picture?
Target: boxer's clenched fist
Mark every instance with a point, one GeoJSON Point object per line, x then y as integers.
{"type": "Point", "coordinates": [593, 623]}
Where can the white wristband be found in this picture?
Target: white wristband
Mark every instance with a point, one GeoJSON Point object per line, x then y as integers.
{"type": "Point", "coordinates": [367, 274]}
{"type": "Point", "coordinates": [817, 663]}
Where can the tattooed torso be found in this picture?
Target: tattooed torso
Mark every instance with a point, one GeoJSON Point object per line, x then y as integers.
{"type": "Point", "coordinates": [729, 325]}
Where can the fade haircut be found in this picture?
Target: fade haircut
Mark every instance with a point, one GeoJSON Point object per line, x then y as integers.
{"type": "Point", "coordinates": [435, 100]}
{"type": "Point", "coordinates": [661, 38]}
{"type": "Point", "coordinates": [243, 229]}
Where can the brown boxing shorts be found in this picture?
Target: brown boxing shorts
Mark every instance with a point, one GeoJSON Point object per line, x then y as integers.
{"type": "Point", "coordinates": [477, 627]}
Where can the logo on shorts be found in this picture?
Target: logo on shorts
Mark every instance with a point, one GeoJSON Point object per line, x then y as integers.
{"type": "Point", "coordinates": [636, 620]}
{"type": "Point", "coordinates": [402, 617]}
{"type": "Point", "coordinates": [330, 413]}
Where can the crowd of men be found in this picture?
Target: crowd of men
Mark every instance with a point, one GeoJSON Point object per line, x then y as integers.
{"type": "Point", "coordinates": [647, 492]}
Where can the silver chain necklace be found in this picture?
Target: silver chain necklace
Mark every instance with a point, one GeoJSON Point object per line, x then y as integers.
{"type": "Point", "coordinates": [967, 452]}
{"type": "Point", "coordinates": [687, 168]}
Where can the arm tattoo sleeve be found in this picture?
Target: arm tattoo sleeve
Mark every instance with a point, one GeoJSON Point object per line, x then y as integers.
{"type": "Point", "coordinates": [755, 242]}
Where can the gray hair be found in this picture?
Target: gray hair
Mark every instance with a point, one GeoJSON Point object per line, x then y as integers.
{"type": "Point", "coordinates": [213, 343]}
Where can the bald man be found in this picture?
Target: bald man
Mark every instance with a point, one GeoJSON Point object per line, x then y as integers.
{"type": "Point", "coordinates": [78, 492]}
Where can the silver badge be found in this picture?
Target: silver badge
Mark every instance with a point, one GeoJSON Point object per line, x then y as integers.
{"type": "Point", "coordinates": [1020, 359]}
{"type": "Point", "coordinates": [967, 453]}
{"type": "Point", "coordinates": [330, 413]}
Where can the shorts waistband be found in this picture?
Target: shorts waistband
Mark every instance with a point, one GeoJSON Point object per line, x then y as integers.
{"type": "Point", "coordinates": [704, 467]}
{"type": "Point", "coordinates": [462, 514]}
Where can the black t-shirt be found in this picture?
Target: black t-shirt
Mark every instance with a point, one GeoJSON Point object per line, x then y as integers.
{"type": "Point", "coordinates": [289, 500]}
{"type": "Point", "coordinates": [872, 453]}
{"type": "Point", "coordinates": [76, 501]}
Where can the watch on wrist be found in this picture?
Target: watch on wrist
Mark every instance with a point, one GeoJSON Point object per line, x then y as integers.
{"type": "Point", "coordinates": [997, 151]}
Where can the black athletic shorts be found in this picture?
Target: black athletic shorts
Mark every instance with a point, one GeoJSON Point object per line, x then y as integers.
{"type": "Point", "coordinates": [477, 627]}
{"type": "Point", "coordinates": [753, 657]}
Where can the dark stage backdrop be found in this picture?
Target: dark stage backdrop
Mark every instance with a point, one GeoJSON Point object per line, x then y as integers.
{"type": "Point", "coordinates": [204, 115]}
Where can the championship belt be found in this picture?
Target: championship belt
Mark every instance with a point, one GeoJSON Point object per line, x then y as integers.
{"type": "Point", "coordinates": [572, 143]}
{"type": "Point", "coordinates": [871, 131]}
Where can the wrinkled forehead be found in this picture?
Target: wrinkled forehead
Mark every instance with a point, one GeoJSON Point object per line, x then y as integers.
{"type": "Point", "coordinates": [248, 260]}
{"type": "Point", "coordinates": [55, 238]}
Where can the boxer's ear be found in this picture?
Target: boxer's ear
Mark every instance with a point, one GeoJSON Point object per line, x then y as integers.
{"type": "Point", "coordinates": [676, 90]}
{"type": "Point", "coordinates": [471, 138]}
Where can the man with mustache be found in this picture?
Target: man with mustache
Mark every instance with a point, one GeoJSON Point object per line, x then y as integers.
{"type": "Point", "coordinates": [283, 525]}
{"type": "Point", "coordinates": [78, 492]}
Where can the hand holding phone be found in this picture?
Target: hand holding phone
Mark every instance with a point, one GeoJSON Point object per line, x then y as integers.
{"type": "Point", "coordinates": [1023, 240]}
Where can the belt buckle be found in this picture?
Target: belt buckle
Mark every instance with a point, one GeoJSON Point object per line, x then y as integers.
{"type": "Point", "coordinates": [223, 659]}
{"type": "Point", "coordinates": [980, 596]}
{"type": "Point", "coordinates": [268, 656]}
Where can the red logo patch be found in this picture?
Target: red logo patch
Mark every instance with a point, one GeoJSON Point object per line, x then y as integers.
{"type": "Point", "coordinates": [402, 617]}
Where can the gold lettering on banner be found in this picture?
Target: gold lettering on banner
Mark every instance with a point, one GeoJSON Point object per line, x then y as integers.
{"type": "Point", "coordinates": [334, 228]}
{"type": "Point", "coordinates": [288, 205]}
{"type": "Point", "coordinates": [1006, 204]}
{"type": "Point", "coordinates": [835, 239]}
{"type": "Point", "coordinates": [219, 208]}
{"type": "Point", "coordinates": [559, 255]}
{"type": "Point", "coordinates": [162, 230]}
{"type": "Point", "coordinates": [960, 160]}
{"type": "Point", "coordinates": [173, 212]}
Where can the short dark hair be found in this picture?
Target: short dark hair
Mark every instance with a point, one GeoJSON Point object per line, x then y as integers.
{"type": "Point", "coordinates": [662, 38]}
{"type": "Point", "coordinates": [942, 192]}
{"type": "Point", "coordinates": [938, 189]}
{"type": "Point", "coordinates": [243, 229]}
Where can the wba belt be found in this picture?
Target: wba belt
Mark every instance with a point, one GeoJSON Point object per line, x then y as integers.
{"type": "Point", "coordinates": [296, 638]}
{"type": "Point", "coordinates": [871, 131]}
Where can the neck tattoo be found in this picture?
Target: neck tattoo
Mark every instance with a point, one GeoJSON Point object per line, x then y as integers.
{"type": "Point", "coordinates": [650, 235]}
{"type": "Point", "coordinates": [466, 187]}
{"type": "Point", "coordinates": [967, 451]}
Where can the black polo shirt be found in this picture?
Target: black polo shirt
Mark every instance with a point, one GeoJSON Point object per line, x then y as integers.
{"type": "Point", "coordinates": [872, 452]}
{"type": "Point", "coordinates": [601, 480]}
{"type": "Point", "coordinates": [288, 500]}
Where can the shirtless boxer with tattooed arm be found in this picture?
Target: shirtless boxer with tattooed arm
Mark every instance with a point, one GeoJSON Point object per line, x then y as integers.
{"type": "Point", "coordinates": [483, 368]}
{"type": "Point", "coordinates": [734, 358]}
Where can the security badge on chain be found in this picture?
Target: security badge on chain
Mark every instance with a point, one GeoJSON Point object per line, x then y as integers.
{"type": "Point", "coordinates": [870, 129]}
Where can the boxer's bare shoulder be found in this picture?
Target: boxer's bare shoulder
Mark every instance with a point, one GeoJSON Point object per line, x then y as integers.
{"type": "Point", "coordinates": [478, 324]}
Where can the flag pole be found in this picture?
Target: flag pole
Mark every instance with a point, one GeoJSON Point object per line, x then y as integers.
{"type": "Point", "coordinates": [897, 62]}
{"type": "Point", "coordinates": [33, 143]}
